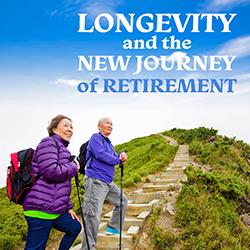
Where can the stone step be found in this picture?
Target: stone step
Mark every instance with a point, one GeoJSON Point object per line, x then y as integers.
{"type": "Point", "coordinates": [136, 209]}
{"type": "Point", "coordinates": [102, 226]}
{"type": "Point", "coordinates": [104, 247]}
{"type": "Point", "coordinates": [128, 222]}
{"type": "Point", "coordinates": [174, 170]}
{"type": "Point", "coordinates": [182, 158]}
{"type": "Point", "coordinates": [175, 173]}
{"type": "Point", "coordinates": [163, 181]}
{"type": "Point", "coordinates": [172, 175]}
{"type": "Point", "coordinates": [141, 203]}
{"type": "Point", "coordinates": [154, 202]}
{"type": "Point", "coordinates": [134, 221]}
{"type": "Point", "coordinates": [133, 230]}
{"type": "Point", "coordinates": [179, 165]}
{"type": "Point", "coordinates": [112, 241]}
{"type": "Point", "coordinates": [133, 209]}
{"type": "Point", "coordinates": [114, 248]}
{"type": "Point", "coordinates": [154, 188]}
{"type": "Point", "coordinates": [143, 215]}
{"type": "Point", "coordinates": [140, 197]}
{"type": "Point", "coordinates": [108, 215]}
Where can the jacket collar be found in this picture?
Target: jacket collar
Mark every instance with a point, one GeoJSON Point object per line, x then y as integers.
{"type": "Point", "coordinates": [59, 138]}
{"type": "Point", "coordinates": [106, 138]}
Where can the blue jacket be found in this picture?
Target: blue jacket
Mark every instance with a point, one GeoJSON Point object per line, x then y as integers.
{"type": "Point", "coordinates": [102, 158]}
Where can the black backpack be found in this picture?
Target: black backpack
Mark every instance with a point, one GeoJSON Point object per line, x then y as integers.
{"type": "Point", "coordinates": [19, 177]}
{"type": "Point", "coordinates": [82, 157]}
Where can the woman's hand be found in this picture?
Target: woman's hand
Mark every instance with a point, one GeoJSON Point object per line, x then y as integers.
{"type": "Point", "coordinates": [73, 215]}
{"type": "Point", "coordinates": [77, 164]}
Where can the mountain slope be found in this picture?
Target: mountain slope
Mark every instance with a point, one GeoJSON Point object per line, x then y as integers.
{"type": "Point", "coordinates": [146, 155]}
{"type": "Point", "coordinates": [217, 192]}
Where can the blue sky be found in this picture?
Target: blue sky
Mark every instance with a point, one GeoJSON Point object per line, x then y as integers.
{"type": "Point", "coordinates": [41, 36]}
{"type": "Point", "coordinates": [39, 45]}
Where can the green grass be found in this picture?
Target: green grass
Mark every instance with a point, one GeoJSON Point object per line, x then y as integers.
{"type": "Point", "coordinates": [208, 203]}
{"type": "Point", "coordinates": [207, 206]}
{"type": "Point", "coordinates": [161, 239]}
{"type": "Point", "coordinates": [13, 228]}
{"type": "Point", "coordinates": [146, 155]}
{"type": "Point", "coordinates": [207, 212]}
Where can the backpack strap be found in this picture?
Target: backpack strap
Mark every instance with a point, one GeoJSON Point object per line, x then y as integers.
{"type": "Point", "coordinates": [57, 146]}
{"type": "Point", "coordinates": [92, 156]}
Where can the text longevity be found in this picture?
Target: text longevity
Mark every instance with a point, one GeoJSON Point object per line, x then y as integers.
{"type": "Point", "coordinates": [158, 23]}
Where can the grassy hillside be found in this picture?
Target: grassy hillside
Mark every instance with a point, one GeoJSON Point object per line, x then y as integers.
{"type": "Point", "coordinates": [146, 155]}
{"type": "Point", "coordinates": [210, 203]}
{"type": "Point", "coordinates": [13, 228]}
{"type": "Point", "coordinates": [208, 207]}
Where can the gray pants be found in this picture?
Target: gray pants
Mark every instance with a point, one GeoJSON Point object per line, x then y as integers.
{"type": "Point", "coordinates": [96, 192]}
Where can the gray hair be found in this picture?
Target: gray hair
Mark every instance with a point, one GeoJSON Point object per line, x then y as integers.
{"type": "Point", "coordinates": [102, 120]}
{"type": "Point", "coordinates": [54, 123]}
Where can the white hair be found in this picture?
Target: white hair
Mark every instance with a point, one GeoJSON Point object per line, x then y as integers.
{"type": "Point", "coordinates": [102, 120]}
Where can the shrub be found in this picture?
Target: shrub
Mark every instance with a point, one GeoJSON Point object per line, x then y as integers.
{"type": "Point", "coordinates": [146, 155]}
{"type": "Point", "coordinates": [8, 242]}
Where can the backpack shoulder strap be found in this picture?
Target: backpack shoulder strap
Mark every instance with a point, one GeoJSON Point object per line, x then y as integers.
{"type": "Point", "coordinates": [92, 156]}
{"type": "Point", "coordinates": [57, 146]}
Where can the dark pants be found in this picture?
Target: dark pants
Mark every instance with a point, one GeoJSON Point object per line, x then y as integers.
{"type": "Point", "coordinates": [39, 229]}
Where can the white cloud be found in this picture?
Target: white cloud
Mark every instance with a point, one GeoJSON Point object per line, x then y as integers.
{"type": "Point", "coordinates": [92, 7]}
{"type": "Point", "coordinates": [239, 47]}
{"type": "Point", "coordinates": [133, 116]}
{"type": "Point", "coordinates": [69, 82]}
{"type": "Point", "coordinates": [74, 83]}
{"type": "Point", "coordinates": [244, 84]}
{"type": "Point", "coordinates": [99, 6]}
{"type": "Point", "coordinates": [53, 13]}
{"type": "Point", "coordinates": [176, 56]}
{"type": "Point", "coordinates": [215, 5]}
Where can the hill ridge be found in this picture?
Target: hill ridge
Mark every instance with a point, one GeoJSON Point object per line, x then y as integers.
{"type": "Point", "coordinates": [143, 201]}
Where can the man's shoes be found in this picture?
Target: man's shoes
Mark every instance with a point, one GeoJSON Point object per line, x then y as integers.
{"type": "Point", "coordinates": [112, 231]}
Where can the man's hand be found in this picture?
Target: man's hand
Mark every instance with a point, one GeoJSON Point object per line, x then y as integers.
{"type": "Point", "coordinates": [123, 157]}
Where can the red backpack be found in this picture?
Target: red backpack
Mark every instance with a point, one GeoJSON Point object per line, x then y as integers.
{"type": "Point", "coordinates": [19, 176]}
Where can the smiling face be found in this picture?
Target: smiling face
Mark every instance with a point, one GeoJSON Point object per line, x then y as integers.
{"type": "Point", "coordinates": [105, 126]}
{"type": "Point", "coordinates": [64, 129]}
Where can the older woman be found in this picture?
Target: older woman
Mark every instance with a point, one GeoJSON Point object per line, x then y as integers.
{"type": "Point", "coordinates": [48, 203]}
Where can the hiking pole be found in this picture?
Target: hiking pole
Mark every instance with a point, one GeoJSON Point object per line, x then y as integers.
{"type": "Point", "coordinates": [120, 240]}
{"type": "Point", "coordinates": [81, 206]}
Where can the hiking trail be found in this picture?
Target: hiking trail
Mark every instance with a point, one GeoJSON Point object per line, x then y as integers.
{"type": "Point", "coordinates": [142, 201]}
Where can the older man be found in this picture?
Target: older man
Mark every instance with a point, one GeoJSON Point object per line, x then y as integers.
{"type": "Point", "coordinates": [99, 185]}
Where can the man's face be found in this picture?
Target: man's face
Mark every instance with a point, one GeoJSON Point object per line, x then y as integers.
{"type": "Point", "coordinates": [106, 127]}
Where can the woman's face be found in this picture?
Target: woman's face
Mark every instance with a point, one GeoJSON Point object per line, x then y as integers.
{"type": "Point", "coordinates": [64, 129]}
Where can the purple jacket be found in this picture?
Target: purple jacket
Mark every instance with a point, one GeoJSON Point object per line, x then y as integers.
{"type": "Point", "coordinates": [51, 192]}
{"type": "Point", "coordinates": [102, 158]}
